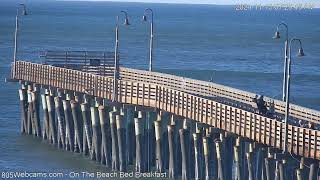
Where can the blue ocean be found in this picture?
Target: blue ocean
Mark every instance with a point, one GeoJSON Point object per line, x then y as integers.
{"type": "Point", "coordinates": [207, 42]}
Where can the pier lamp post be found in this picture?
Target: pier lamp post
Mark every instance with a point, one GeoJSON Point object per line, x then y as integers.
{"type": "Point", "coordinates": [116, 52]}
{"type": "Point", "coordinates": [24, 13]}
{"type": "Point", "coordinates": [144, 18]}
{"type": "Point", "coordinates": [285, 71]}
{"type": "Point", "coordinates": [300, 53]}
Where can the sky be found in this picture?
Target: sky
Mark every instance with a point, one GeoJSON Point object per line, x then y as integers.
{"type": "Point", "coordinates": [224, 2]}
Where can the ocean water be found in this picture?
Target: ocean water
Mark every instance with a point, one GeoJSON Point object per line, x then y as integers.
{"type": "Point", "coordinates": [233, 48]}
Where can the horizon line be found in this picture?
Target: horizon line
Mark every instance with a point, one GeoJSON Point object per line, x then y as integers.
{"type": "Point", "coordinates": [316, 5]}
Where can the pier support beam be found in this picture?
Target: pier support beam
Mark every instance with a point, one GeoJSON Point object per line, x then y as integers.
{"type": "Point", "coordinates": [237, 159]}
{"type": "Point", "coordinates": [139, 143]}
{"type": "Point", "coordinates": [23, 108]}
{"type": "Point", "coordinates": [298, 174]}
{"type": "Point", "coordinates": [259, 173]}
{"type": "Point", "coordinates": [213, 134]}
{"type": "Point", "coordinates": [267, 168]}
{"type": "Point", "coordinates": [96, 134]}
{"type": "Point", "coordinates": [226, 153]}
{"type": "Point", "coordinates": [197, 145]}
{"type": "Point", "coordinates": [130, 136]}
{"type": "Point", "coordinates": [77, 122]}
{"type": "Point", "coordinates": [172, 152]}
{"type": "Point", "coordinates": [281, 170]}
{"type": "Point", "coordinates": [249, 161]}
{"type": "Point", "coordinates": [30, 129]}
{"type": "Point", "coordinates": [61, 123]}
{"type": "Point", "coordinates": [159, 160]}
{"type": "Point", "coordinates": [46, 129]}
{"type": "Point", "coordinates": [164, 122]}
{"type": "Point", "coordinates": [300, 170]}
{"type": "Point", "coordinates": [52, 122]}
{"type": "Point", "coordinates": [105, 133]}
{"type": "Point", "coordinates": [185, 149]}
{"type": "Point", "coordinates": [121, 133]}
{"type": "Point", "coordinates": [150, 140]}
{"type": "Point", "coordinates": [87, 138]}
{"type": "Point", "coordinates": [114, 137]}
{"type": "Point", "coordinates": [35, 113]}
{"type": "Point", "coordinates": [219, 159]}
{"type": "Point", "coordinates": [207, 158]}
{"type": "Point", "coordinates": [313, 172]}
{"type": "Point", "coordinates": [69, 137]}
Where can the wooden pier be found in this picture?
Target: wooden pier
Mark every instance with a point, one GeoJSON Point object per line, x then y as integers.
{"type": "Point", "coordinates": [189, 128]}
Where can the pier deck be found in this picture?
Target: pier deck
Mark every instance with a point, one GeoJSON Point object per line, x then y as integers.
{"type": "Point", "coordinates": [212, 104]}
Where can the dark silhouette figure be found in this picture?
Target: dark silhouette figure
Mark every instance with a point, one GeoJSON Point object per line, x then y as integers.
{"type": "Point", "coordinates": [271, 109]}
{"type": "Point", "coordinates": [261, 104]}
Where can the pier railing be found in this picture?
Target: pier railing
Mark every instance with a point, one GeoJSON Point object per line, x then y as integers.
{"type": "Point", "coordinates": [96, 62]}
{"type": "Point", "coordinates": [181, 98]}
{"type": "Point", "coordinates": [209, 89]}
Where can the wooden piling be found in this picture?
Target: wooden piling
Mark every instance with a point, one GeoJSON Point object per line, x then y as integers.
{"type": "Point", "coordinates": [184, 143]}
{"type": "Point", "coordinates": [61, 123]}
{"type": "Point", "coordinates": [237, 159]}
{"type": "Point", "coordinates": [23, 109]}
{"type": "Point", "coordinates": [213, 158]}
{"type": "Point", "coordinates": [267, 168]}
{"type": "Point", "coordinates": [87, 135]}
{"type": "Point", "coordinates": [52, 122]}
{"type": "Point", "coordinates": [226, 154]}
{"type": "Point", "coordinates": [178, 125]}
{"type": "Point", "coordinates": [139, 143]}
{"type": "Point", "coordinates": [36, 116]}
{"type": "Point", "coordinates": [29, 113]}
{"type": "Point", "coordinates": [219, 159]}
{"type": "Point", "coordinates": [258, 163]}
{"type": "Point", "coordinates": [312, 173]}
{"type": "Point", "coordinates": [96, 134]}
{"type": "Point", "coordinates": [114, 137]}
{"type": "Point", "coordinates": [276, 172]}
{"type": "Point", "coordinates": [121, 134]}
{"type": "Point", "coordinates": [106, 139]}
{"type": "Point", "coordinates": [281, 171]}
{"type": "Point", "coordinates": [172, 152]}
{"type": "Point", "coordinates": [45, 130]}
{"type": "Point", "coordinates": [142, 115]}
{"type": "Point", "coordinates": [249, 161]}
{"type": "Point", "coordinates": [164, 120]}
{"type": "Point", "coordinates": [301, 166]}
{"type": "Point", "coordinates": [206, 154]}
{"type": "Point", "coordinates": [77, 122]}
{"type": "Point", "coordinates": [197, 156]}
{"type": "Point", "coordinates": [150, 140]}
{"type": "Point", "coordinates": [243, 159]}
{"type": "Point", "coordinates": [69, 137]}
{"type": "Point", "coordinates": [130, 136]}
{"type": "Point", "coordinates": [159, 163]}
{"type": "Point", "coordinates": [298, 174]}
